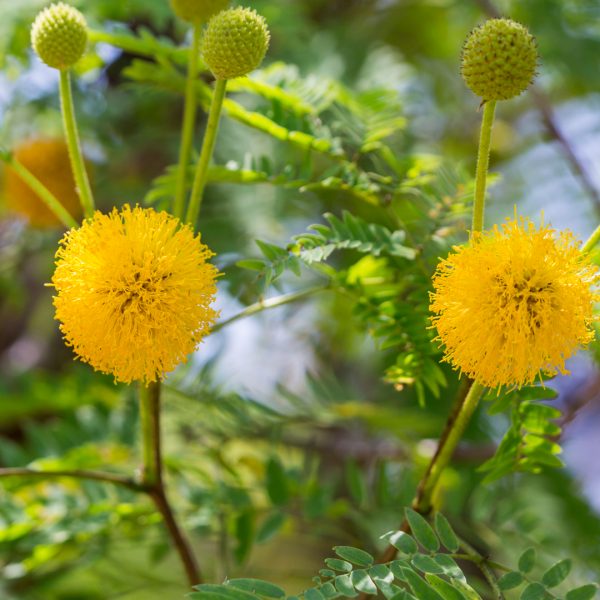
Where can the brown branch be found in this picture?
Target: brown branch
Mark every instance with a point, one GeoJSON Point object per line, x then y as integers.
{"type": "Point", "coordinates": [153, 478]}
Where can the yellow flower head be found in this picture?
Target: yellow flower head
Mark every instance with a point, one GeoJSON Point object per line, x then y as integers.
{"type": "Point", "coordinates": [516, 302]}
{"type": "Point", "coordinates": [48, 160]}
{"type": "Point", "coordinates": [134, 290]}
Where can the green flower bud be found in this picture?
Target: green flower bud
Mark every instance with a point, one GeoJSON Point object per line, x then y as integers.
{"type": "Point", "coordinates": [499, 59]}
{"type": "Point", "coordinates": [59, 35]}
{"type": "Point", "coordinates": [198, 11]}
{"type": "Point", "coordinates": [235, 42]}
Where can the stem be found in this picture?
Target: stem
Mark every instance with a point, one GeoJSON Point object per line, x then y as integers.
{"type": "Point", "coordinates": [49, 199]}
{"type": "Point", "coordinates": [261, 305]}
{"type": "Point", "coordinates": [208, 145]}
{"type": "Point", "coordinates": [152, 477]}
{"type": "Point", "coordinates": [72, 137]}
{"type": "Point", "coordinates": [455, 427]}
{"type": "Point", "coordinates": [76, 474]}
{"type": "Point", "coordinates": [189, 121]}
{"type": "Point", "coordinates": [591, 241]}
{"type": "Point", "coordinates": [151, 470]}
{"type": "Point", "coordinates": [483, 161]}
{"type": "Point", "coordinates": [484, 567]}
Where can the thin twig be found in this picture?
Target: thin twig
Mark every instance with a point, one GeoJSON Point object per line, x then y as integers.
{"type": "Point", "coordinates": [261, 305]}
{"type": "Point", "coordinates": [75, 474]}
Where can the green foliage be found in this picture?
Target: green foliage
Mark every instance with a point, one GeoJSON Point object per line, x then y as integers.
{"type": "Point", "coordinates": [529, 444]}
{"type": "Point", "coordinates": [421, 571]}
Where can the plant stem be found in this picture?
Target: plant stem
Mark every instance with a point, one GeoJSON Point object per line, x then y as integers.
{"type": "Point", "coordinates": [455, 427]}
{"type": "Point", "coordinates": [483, 161]}
{"type": "Point", "coordinates": [75, 474]}
{"type": "Point", "coordinates": [72, 137]}
{"type": "Point", "coordinates": [484, 566]}
{"type": "Point", "coordinates": [152, 477]}
{"type": "Point", "coordinates": [189, 122]}
{"type": "Point", "coordinates": [591, 241]}
{"type": "Point", "coordinates": [208, 145]}
{"type": "Point", "coordinates": [262, 305]}
{"type": "Point", "coordinates": [49, 199]}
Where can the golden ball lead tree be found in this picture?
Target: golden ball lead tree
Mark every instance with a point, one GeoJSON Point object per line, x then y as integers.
{"type": "Point", "coordinates": [235, 43]}
{"type": "Point", "coordinates": [499, 59]}
{"type": "Point", "coordinates": [59, 36]}
{"type": "Point", "coordinates": [516, 302]}
{"type": "Point", "coordinates": [133, 292]}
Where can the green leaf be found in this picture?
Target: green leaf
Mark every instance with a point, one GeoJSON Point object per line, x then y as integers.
{"type": "Point", "coordinates": [446, 533]}
{"type": "Point", "coordinates": [557, 573]}
{"type": "Point", "coordinates": [363, 583]}
{"type": "Point", "coordinates": [343, 583]}
{"type": "Point", "coordinates": [444, 588]}
{"type": "Point", "coordinates": [426, 564]}
{"type": "Point", "coordinates": [527, 560]}
{"type": "Point", "coordinates": [258, 586]}
{"type": "Point", "coordinates": [327, 573]}
{"type": "Point", "coordinates": [398, 568]}
{"type": "Point", "coordinates": [402, 541]}
{"type": "Point", "coordinates": [270, 526]}
{"type": "Point", "coordinates": [381, 573]}
{"type": "Point", "coordinates": [422, 531]}
{"type": "Point", "coordinates": [277, 482]}
{"type": "Point", "coordinates": [356, 482]}
{"type": "Point", "coordinates": [465, 589]}
{"type": "Point", "coordinates": [585, 592]}
{"type": "Point", "coordinates": [449, 566]}
{"type": "Point", "coordinates": [422, 590]}
{"type": "Point", "coordinates": [354, 555]}
{"type": "Point", "coordinates": [534, 591]}
{"type": "Point", "coordinates": [244, 533]}
{"type": "Point", "coordinates": [313, 594]}
{"type": "Point", "coordinates": [510, 580]}
{"type": "Point", "coordinates": [328, 591]}
{"type": "Point", "coordinates": [338, 565]}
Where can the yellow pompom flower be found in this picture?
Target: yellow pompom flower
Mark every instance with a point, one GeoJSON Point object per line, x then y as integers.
{"type": "Point", "coordinates": [516, 302]}
{"type": "Point", "coordinates": [133, 292]}
{"type": "Point", "coordinates": [48, 160]}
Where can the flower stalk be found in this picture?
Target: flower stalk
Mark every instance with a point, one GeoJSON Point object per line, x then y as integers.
{"type": "Point", "coordinates": [483, 161]}
{"type": "Point", "coordinates": [189, 122]}
{"type": "Point", "coordinates": [152, 477]}
{"type": "Point", "coordinates": [72, 137]}
{"type": "Point", "coordinates": [591, 241]}
{"type": "Point", "coordinates": [208, 146]}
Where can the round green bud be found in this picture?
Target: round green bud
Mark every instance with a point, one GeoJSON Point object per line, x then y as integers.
{"type": "Point", "coordinates": [499, 59]}
{"type": "Point", "coordinates": [235, 42]}
{"type": "Point", "coordinates": [59, 35]}
{"type": "Point", "coordinates": [198, 11]}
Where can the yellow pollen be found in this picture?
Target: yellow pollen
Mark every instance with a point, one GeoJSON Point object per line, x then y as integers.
{"type": "Point", "coordinates": [517, 302]}
{"type": "Point", "coordinates": [134, 290]}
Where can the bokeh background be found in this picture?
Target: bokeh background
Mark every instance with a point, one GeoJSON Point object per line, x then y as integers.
{"type": "Point", "coordinates": [270, 500]}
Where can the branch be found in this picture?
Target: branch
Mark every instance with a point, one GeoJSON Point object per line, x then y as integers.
{"type": "Point", "coordinates": [153, 478]}
{"type": "Point", "coordinates": [262, 305]}
{"type": "Point", "coordinates": [75, 474]}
